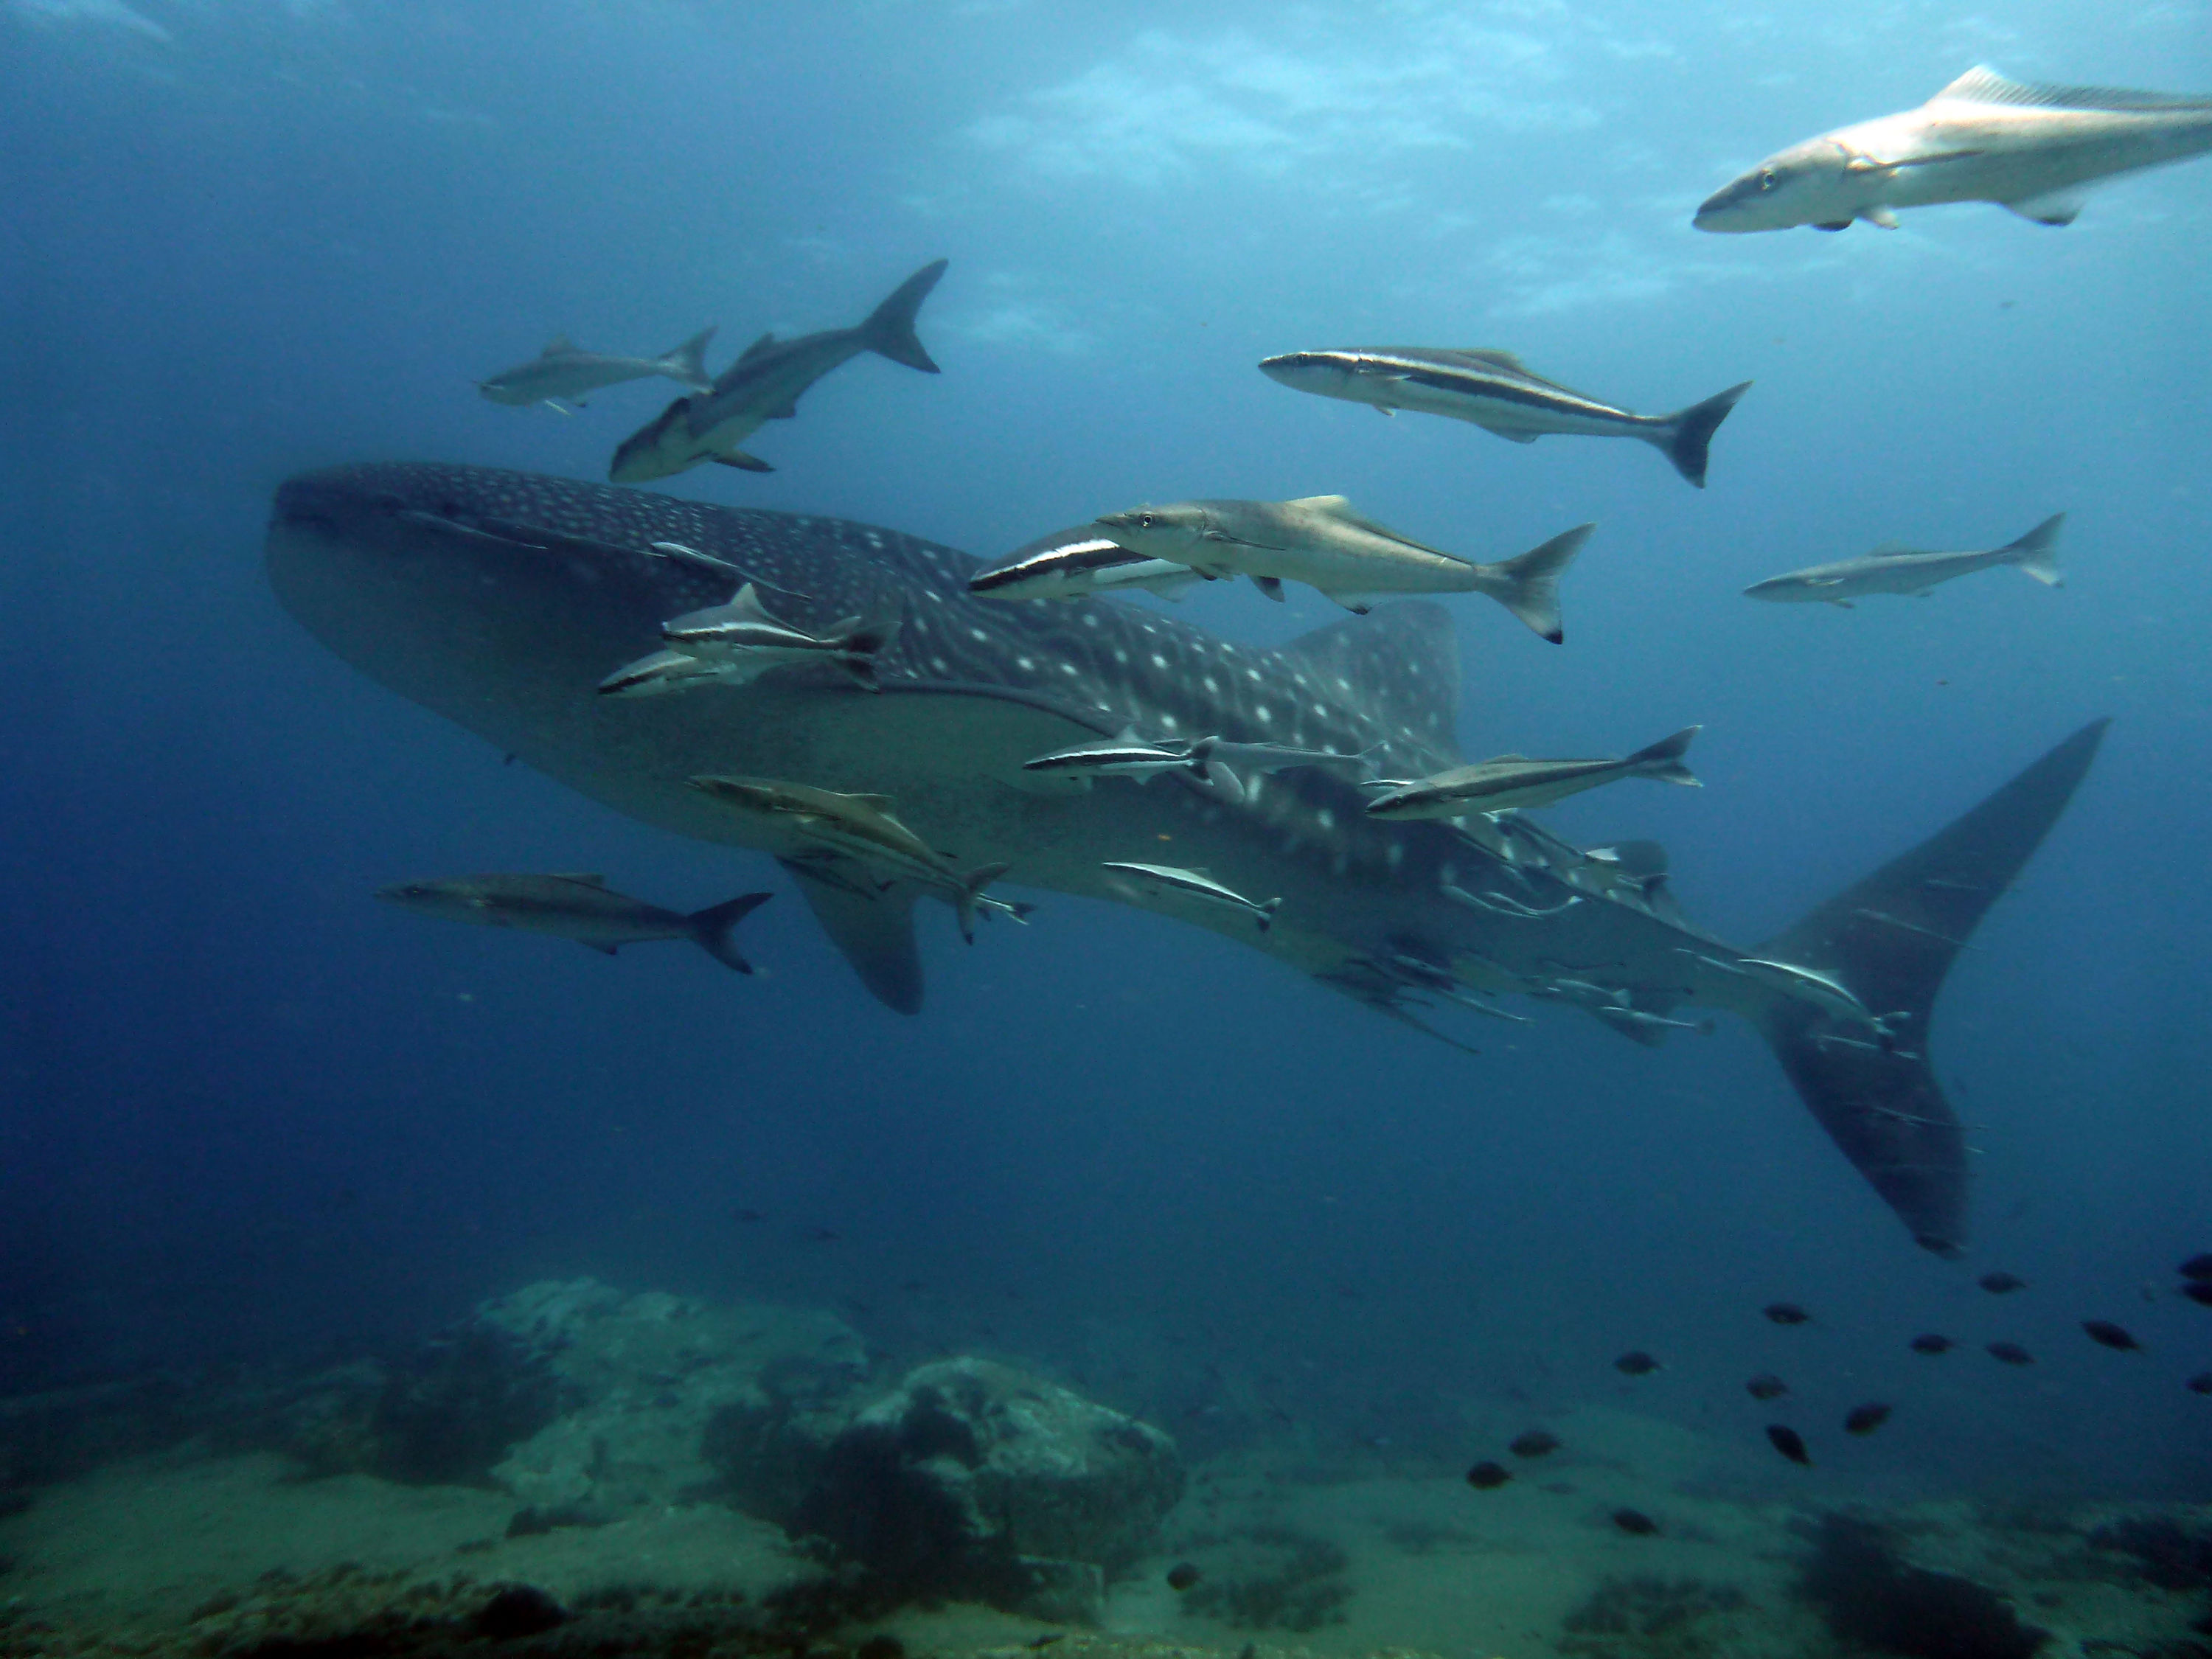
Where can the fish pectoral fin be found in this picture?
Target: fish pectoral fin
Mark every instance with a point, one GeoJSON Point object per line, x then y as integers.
{"type": "Point", "coordinates": [1514, 434]}
{"type": "Point", "coordinates": [1878, 216]}
{"type": "Point", "coordinates": [789, 411]}
{"type": "Point", "coordinates": [1834, 224]}
{"type": "Point", "coordinates": [1383, 409]}
{"type": "Point", "coordinates": [743, 462]}
{"type": "Point", "coordinates": [1270, 586]}
{"type": "Point", "coordinates": [2052, 207]}
{"type": "Point", "coordinates": [873, 931]}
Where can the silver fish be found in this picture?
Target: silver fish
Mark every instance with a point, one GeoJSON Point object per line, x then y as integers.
{"type": "Point", "coordinates": [2033, 148]}
{"type": "Point", "coordinates": [1073, 564]}
{"type": "Point", "coordinates": [1893, 570]}
{"type": "Point", "coordinates": [765, 385]}
{"type": "Point", "coordinates": [1154, 880]}
{"type": "Point", "coordinates": [561, 371]}
{"type": "Point", "coordinates": [743, 635]}
{"type": "Point", "coordinates": [1495, 390]}
{"type": "Point", "coordinates": [1514, 781]}
{"type": "Point", "coordinates": [1319, 541]}
{"type": "Point", "coordinates": [1128, 756]}
{"type": "Point", "coordinates": [582, 908]}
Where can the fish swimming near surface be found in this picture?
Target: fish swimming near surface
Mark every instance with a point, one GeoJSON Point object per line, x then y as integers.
{"type": "Point", "coordinates": [501, 600]}
{"type": "Point", "coordinates": [1984, 138]}
{"type": "Point", "coordinates": [1891, 568]}
{"type": "Point", "coordinates": [1515, 783]}
{"type": "Point", "coordinates": [1074, 564]}
{"type": "Point", "coordinates": [766, 383]}
{"type": "Point", "coordinates": [1495, 390]}
{"type": "Point", "coordinates": [1319, 541]}
{"type": "Point", "coordinates": [562, 372]}
{"type": "Point", "coordinates": [576, 907]}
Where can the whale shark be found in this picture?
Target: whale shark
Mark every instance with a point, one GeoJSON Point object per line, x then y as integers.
{"type": "Point", "coordinates": [503, 599]}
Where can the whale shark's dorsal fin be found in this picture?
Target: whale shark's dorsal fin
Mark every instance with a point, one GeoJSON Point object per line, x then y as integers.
{"type": "Point", "coordinates": [872, 927]}
{"type": "Point", "coordinates": [1399, 666]}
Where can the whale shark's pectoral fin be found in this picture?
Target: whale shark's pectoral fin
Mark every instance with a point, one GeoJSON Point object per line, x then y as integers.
{"type": "Point", "coordinates": [872, 926]}
{"type": "Point", "coordinates": [1890, 939]}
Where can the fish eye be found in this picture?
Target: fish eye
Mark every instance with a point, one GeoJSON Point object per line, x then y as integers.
{"type": "Point", "coordinates": [1766, 179]}
{"type": "Point", "coordinates": [1143, 521]}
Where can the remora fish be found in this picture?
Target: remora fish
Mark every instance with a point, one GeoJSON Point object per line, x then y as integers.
{"type": "Point", "coordinates": [1073, 564]}
{"type": "Point", "coordinates": [765, 385]}
{"type": "Point", "coordinates": [582, 908]}
{"type": "Point", "coordinates": [1893, 570]}
{"type": "Point", "coordinates": [1128, 756]}
{"type": "Point", "coordinates": [863, 827]}
{"type": "Point", "coordinates": [1157, 878]}
{"type": "Point", "coordinates": [1983, 138]}
{"type": "Point", "coordinates": [500, 598]}
{"type": "Point", "coordinates": [742, 634]}
{"type": "Point", "coordinates": [1319, 540]}
{"type": "Point", "coordinates": [1514, 781]}
{"type": "Point", "coordinates": [562, 370]}
{"type": "Point", "coordinates": [1495, 390]}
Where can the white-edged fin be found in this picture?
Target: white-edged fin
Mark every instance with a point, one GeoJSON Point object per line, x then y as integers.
{"type": "Point", "coordinates": [1983, 85]}
{"type": "Point", "coordinates": [2053, 207]}
{"type": "Point", "coordinates": [2038, 551]}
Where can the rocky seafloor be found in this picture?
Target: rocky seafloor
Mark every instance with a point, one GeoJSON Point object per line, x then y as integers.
{"type": "Point", "coordinates": [577, 1470]}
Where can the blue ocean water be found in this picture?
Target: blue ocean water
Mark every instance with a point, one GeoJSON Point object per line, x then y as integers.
{"type": "Point", "coordinates": [248, 1112]}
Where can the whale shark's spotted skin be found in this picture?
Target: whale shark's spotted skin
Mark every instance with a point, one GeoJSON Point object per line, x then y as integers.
{"type": "Point", "coordinates": [501, 600]}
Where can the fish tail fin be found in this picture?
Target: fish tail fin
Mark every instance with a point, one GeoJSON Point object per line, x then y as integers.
{"type": "Point", "coordinates": [2038, 551]}
{"type": "Point", "coordinates": [1532, 581]}
{"type": "Point", "coordinates": [889, 328]}
{"type": "Point", "coordinates": [1890, 939]}
{"type": "Point", "coordinates": [1267, 914]}
{"type": "Point", "coordinates": [862, 642]}
{"type": "Point", "coordinates": [1688, 433]}
{"type": "Point", "coordinates": [687, 364]}
{"type": "Point", "coordinates": [713, 927]}
{"type": "Point", "coordinates": [1663, 759]}
{"type": "Point", "coordinates": [973, 883]}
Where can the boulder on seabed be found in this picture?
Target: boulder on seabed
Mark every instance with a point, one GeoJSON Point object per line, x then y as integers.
{"type": "Point", "coordinates": [973, 1479]}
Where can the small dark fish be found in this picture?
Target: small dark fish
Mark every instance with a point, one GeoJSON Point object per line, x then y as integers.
{"type": "Point", "coordinates": [1182, 1575]}
{"type": "Point", "coordinates": [2199, 1291]}
{"type": "Point", "coordinates": [1786, 1313]}
{"type": "Point", "coordinates": [2011, 1352]}
{"type": "Point", "coordinates": [1790, 1443]}
{"type": "Point", "coordinates": [1636, 1363]}
{"type": "Point", "coordinates": [2197, 1267]}
{"type": "Point", "coordinates": [2111, 1335]}
{"type": "Point", "coordinates": [2201, 1383]}
{"type": "Point", "coordinates": [2002, 1284]}
{"type": "Point", "coordinates": [1537, 1443]}
{"type": "Point", "coordinates": [1488, 1477]}
{"type": "Point", "coordinates": [1766, 1387]}
{"type": "Point", "coordinates": [1932, 1343]}
{"type": "Point", "coordinates": [1865, 1419]}
{"type": "Point", "coordinates": [1635, 1521]}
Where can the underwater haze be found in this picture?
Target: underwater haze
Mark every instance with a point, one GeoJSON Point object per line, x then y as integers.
{"type": "Point", "coordinates": [251, 1116]}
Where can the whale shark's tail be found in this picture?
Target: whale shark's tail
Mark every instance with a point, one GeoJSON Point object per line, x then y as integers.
{"type": "Point", "coordinates": [1890, 940]}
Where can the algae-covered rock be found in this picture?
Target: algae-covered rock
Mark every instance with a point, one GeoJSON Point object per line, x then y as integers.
{"type": "Point", "coordinates": [974, 1478]}
{"type": "Point", "coordinates": [648, 1375]}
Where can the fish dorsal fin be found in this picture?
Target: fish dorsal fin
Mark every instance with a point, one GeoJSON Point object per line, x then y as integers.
{"type": "Point", "coordinates": [1487, 355]}
{"type": "Point", "coordinates": [1892, 549]}
{"type": "Point", "coordinates": [1983, 85]}
{"type": "Point", "coordinates": [581, 877]}
{"type": "Point", "coordinates": [756, 348]}
{"type": "Point", "coordinates": [1337, 507]}
{"type": "Point", "coordinates": [557, 346]}
{"type": "Point", "coordinates": [1513, 755]}
{"type": "Point", "coordinates": [747, 602]}
{"type": "Point", "coordinates": [1397, 669]}
{"type": "Point", "coordinates": [883, 804]}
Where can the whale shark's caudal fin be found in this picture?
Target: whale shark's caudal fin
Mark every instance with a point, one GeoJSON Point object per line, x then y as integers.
{"type": "Point", "coordinates": [1890, 940]}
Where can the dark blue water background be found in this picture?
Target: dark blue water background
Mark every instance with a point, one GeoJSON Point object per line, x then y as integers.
{"type": "Point", "coordinates": [246, 1112]}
